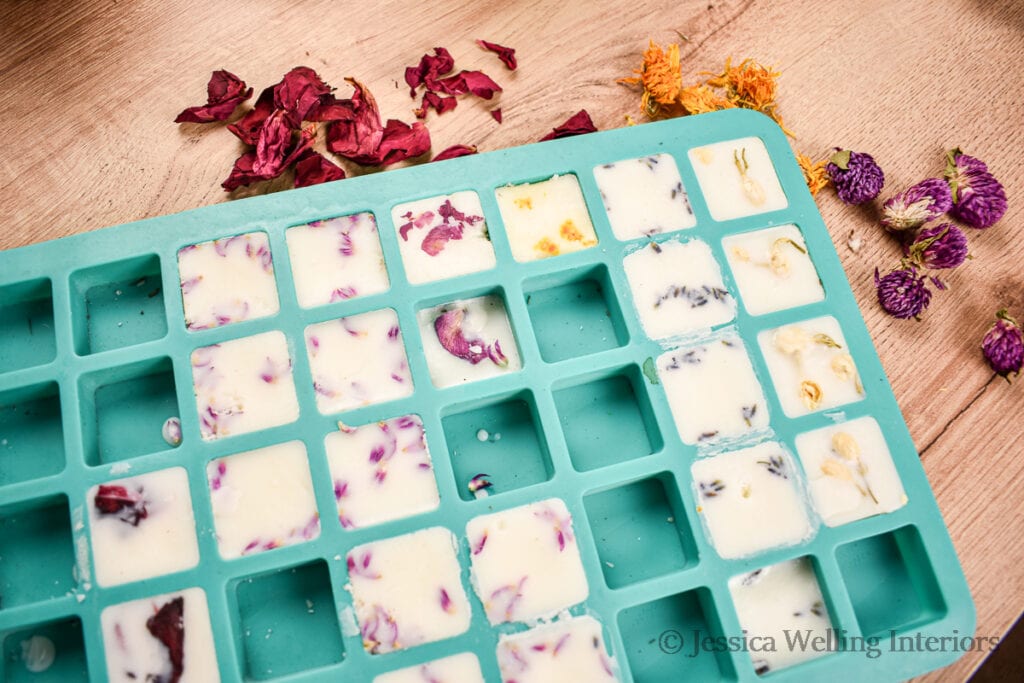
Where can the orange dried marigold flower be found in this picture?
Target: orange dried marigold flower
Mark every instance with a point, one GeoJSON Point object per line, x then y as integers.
{"type": "Point", "coordinates": [815, 174]}
{"type": "Point", "coordinates": [661, 77]}
{"type": "Point", "coordinates": [700, 99]}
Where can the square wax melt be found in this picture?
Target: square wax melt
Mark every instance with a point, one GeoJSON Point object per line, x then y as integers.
{"type": "Point", "coordinates": [142, 527]}
{"type": "Point", "coordinates": [381, 471]}
{"type": "Point", "coordinates": [811, 366]}
{"type": "Point", "coordinates": [460, 668]}
{"type": "Point", "coordinates": [466, 341]}
{"type": "Point", "coordinates": [850, 471]}
{"type": "Point", "coordinates": [779, 604]}
{"type": "Point", "coordinates": [358, 361]}
{"type": "Point", "coordinates": [644, 196]}
{"type": "Point", "coordinates": [751, 500]}
{"type": "Point", "coordinates": [569, 649]}
{"type": "Point", "coordinates": [525, 562]}
{"type": "Point", "coordinates": [244, 385]}
{"type": "Point", "coordinates": [677, 288]}
{"type": "Point", "coordinates": [737, 178]}
{"type": "Point", "coordinates": [227, 281]}
{"type": "Point", "coordinates": [772, 269]}
{"type": "Point", "coordinates": [712, 390]}
{"type": "Point", "coordinates": [407, 590]}
{"type": "Point", "coordinates": [336, 259]}
{"type": "Point", "coordinates": [160, 638]}
{"type": "Point", "coordinates": [546, 218]}
{"type": "Point", "coordinates": [262, 500]}
{"type": "Point", "coordinates": [443, 237]}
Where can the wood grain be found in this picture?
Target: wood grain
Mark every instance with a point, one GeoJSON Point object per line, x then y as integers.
{"type": "Point", "coordinates": [90, 89]}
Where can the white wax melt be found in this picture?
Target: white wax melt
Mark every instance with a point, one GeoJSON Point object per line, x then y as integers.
{"type": "Point", "coordinates": [677, 288]}
{"type": "Point", "coordinates": [407, 590]}
{"type": "Point", "coordinates": [460, 668]}
{"type": "Point", "coordinates": [466, 341]}
{"type": "Point", "coordinates": [227, 281]}
{"type": "Point", "coordinates": [773, 269]}
{"type": "Point", "coordinates": [545, 219]}
{"type": "Point", "coordinates": [262, 500]}
{"type": "Point", "coordinates": [134, 649]}
{"type": "Point", "coordinates": [811, 366]}
{"type": "Point", "coordinates": [336, 259]}
{"type": "Point", "coordinates": [750, 500]}
{"type": "Point", "coordinates": [381, 472]}
{"type": "Point", "coordinates": [850, 471]}
{"type": "Point", "coordinates": [737, 178]}
{"type": "Point", "coordinates": [358, 361]}
{"type": "Point", "coordinates": [244, 385]}
{"type": "Point", "coordinates": [443, 237]}
{"type": "Point", "coordinates": [526, 564]}
{"type": "Point", "coordinates": [644, 196]}
{"type": "Point", "coordinates": [778, 604]}
{"type": "Point", "coordinates": [142, 527]}
{"type": "Point", "coordinates": [567, 650]}
{"type": "Point", "coordinates": [712, 391]}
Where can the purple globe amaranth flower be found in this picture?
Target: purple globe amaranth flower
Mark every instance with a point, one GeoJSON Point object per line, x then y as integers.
{"type": "Point", "coordinates": [1003, 346]}
{"type": "Point", "coordinates": [856, 176]}
{"type": "Point", "coordinates": [979, 200]}
{"type": "Point", "coordinates": [939, 246]}
{"type": "Point", "coordinates": [917, 205]}
{"type": "Point", "coordinates": [903, 293]}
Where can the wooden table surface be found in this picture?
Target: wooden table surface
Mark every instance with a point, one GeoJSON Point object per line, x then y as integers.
{"type": "Point", "coordinates": [90, 88]}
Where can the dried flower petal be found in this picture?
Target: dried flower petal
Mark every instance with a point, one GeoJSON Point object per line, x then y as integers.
{"type": "Point", "coordinates": [810, 394]}
{"type": "Point", "coordinates": [843, 367]}
{"type": "Point", "coordinates": [224, 92]}
{"type": "Point", "coordinates": [700, 99]}
{"type": "Point", "coordinates": [915, 206]}
{"type": "Point", "coordinates": [479, 483]}
{"type": "Point", "coordinates": [845, 445]}
{"type": "Point", "coordinates": [455, 151]}
{"type": "Point", "coordinates": [168, 626]}
{"type": "Point", "coordinates": [661, 77]}
{"type": "Point", "coordinates": [313, 168]}
{"type": "Point", "coordinates": [129, 506]}
{"type": "Point", "coordinates": [298, 94]}
{"type": "Point", "coordinates": [856, 176]}
{"type": "Point", "coordinates": [1003, 346]}
{"type": "Point", "coordinates": [448, 327]}
{"type": "Point", "coordinates": [476, 82]}
{"type": "Point", "coordinates": [359, 134]}
{"type": "Point", "coordinates": [507, 55]}
{"type": "Point", "coordinates": [247, 129]}
{"type": "Point", "coordinates": [791, 340]}
{"type": "Point", "coordinates": [577, 124]}
{"type": "Point", "coordinates": [496, 114]}
{"type": "Point", "coordinates": [979, 200]}
{"type": "Point", "coordinates": [833, 468]}
{"type": "Point", "coordinates": [939, 246]}
{"type": "Point", "coordinates": [438, 103]}
{"type": "Point", "coordinates": [903, 293]}
{"type": "Point", "coordinates": [429, 70]}
{"type": "Point", "coordinates": [814, 172]}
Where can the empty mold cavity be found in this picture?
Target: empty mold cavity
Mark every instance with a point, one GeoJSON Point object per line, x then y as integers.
{"type": "Point", "coordinates": [659, 639]}
{"type": "Point", "coordinates": [38, 556]}
{"type": "Point", "coordinates": [31, 433]}
{"type": "Point", "coordinates": [26, 325]}
{"type": "Point", "coordinates": [607, 420]}
{"type": "Point", "coordinates": [124, 410]}
{"type": "Point", "coordinates": [42, 653]}
{"type": "Point", "coordinates": [283, 614]}
{"type": "Point", "coordinates": [575, 313]}
{"type": "Point", "coordinates": [629, 521]}
{"type": "Point", "coordinates": [891, 582]}
{"type": "Point", "coordinates": [118, 304]}
{"type": "Point", "coordinates": [500, 440]}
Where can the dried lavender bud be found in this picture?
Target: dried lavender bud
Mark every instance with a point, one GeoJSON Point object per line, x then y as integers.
{"type": "Point", "coordinates": [978, 198]}
{"type": "Point", "coordinates": [903, 293]}
{"type": "Point", "coordinates": [940, 246]}
{"type": "Point", "coordinates": [1003, 346]}
{"type": "Point", "coordinates": [917, 205]}
{"type": "Point", "coordinates": [856, 176]}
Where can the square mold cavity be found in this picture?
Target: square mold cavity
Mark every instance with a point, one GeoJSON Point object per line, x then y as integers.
{"type": "Point", "coordinates": [124, 410]}
{"type": "Point", "coordinates": [659, 639]}
{"type": "Point", "coordinates": [31, 433]}
{"type": "Point", "coordinates": [891, 582]}
{"type": "Point", "coordinates": [38, 555]}
{"type": "Point", "coordinates": [26, 325]}
{"type": "Point", "coordinates": [118, 304]}
{"type": "Point", "coordinates": [575, 313]}
{"type": "Point", "coordinates": [629, 521]}
{"type": "Point", "coordinates": [607, 420]}
{"type": "Point", "coordinates": [501, 440]}
{"type": "Point", "coordinates": [283, 614]}
{"type": "Point", "coordinates": [545, 218]}
{"type": "Point", "coordinates": [27, 651]}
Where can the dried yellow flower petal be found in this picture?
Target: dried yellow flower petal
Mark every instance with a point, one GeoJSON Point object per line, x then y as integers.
{"type": "Point", "coordinates": [704, 155]}
{"type": "Point", "coordinates": [700, 99]}
{"type": "Point", "coordinates": [815, 175]}
{"type": "Point", "coordinates": [843, 367]}
{"type": "Point", "coordinates": [546, 246]}
{"type": "Point", "coordinates": [810, 394]}
{"type": "Point", "coordinates": [835, 469]}
{"type": "Point", "coordinates": [751, 188]}
{"type": "Point", "coordinates": [740, 253]}
{"type": "Point", "coordinates": [845, 445]}
{"type": "Point", "coordinates": [660, 76]}
{"type": "Point", "coordinates": [523, 202]}
{"type": "Point", "coordinates": [791, 340]}
{"type": "Point", "coordinates": [745, 491]}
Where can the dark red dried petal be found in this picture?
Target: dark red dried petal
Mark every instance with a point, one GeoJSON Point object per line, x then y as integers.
{"type": "Point", "coordinates": [401, 141]}
{"type": "Point", "coordinates": [577, 124]}
{"type": "Point", "coordinates": [438, 237]}
{"type": "Point", "coordinates": [244, 172]}
{"type": "Point", "coordinates": [272, 146]}
{"type": "Point", "coordinates": [359, 134]}
{"type": "Point", "coordinates": [224, 92]}
{"type": "Point", "coordinates": [129, 506]}
{"type": "Point", "coordinates": [507, 55]}
{"type": "Point", "coordinates": [438, 103]}
{"type": "Point", "coordinates": [455, 151]}
{"type": "Point", "coordinates": [314, 168]}
{"type": "Point", "coordinates": [247, 128]}
{"type": "Point", "coordinates": [331, 108]}
{"type": "Point", "coordinates": [429, 70]}
{"type": "Point", "coordinates": [299, 93]}
{"type": "Point", "coordinates": [168, 626]}
{"type": "Point", "coordinates": [496, 114]}
{"type": "Point", "coordinates": [476, 82]}
{"type": "Point", "coordinates": [241, 173]}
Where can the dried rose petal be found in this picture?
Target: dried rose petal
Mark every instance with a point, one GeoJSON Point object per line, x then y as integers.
{"type": "Point", "coordinates": [455, 151]}
{"type": "Point", "coordinates": [418, 222]}
{"type": "Point", "coordinates": [224, 92]}
{"type": "Point", "coordinates": [479, 483]}
{"type": "Point", "coordinates": [168, 626]}
{"type": "Point", "coordinates": [247, 128]}
{"type": "Point", "coordinates": [438, 237]}
{"type": "Point", "coordinates": [298, 94]}
{"type": "Point", "coordinates": [438, 103]}
{"type": "Point", "coordinates": [496, 114]}
{"type": "Point", "coordinates": [129, 506]}
{"type": "Point", "coordinates": [313, 168]}
{"type": "Point", "coordinates": [577, 124]}
{"type": "Point", "coordinates": [448, 327]}
{"type": "Point", "coordinates": [360, 133]}
{"type": "Point", "coordinates": [476, 82]}
{"type": "Point", "coordinates": [400, 142]}
{"type": "Point", "coordinates": [272, 145]}
{"type": "Point", "coordinates": [429, 70]}
{"type": "Point", "coordinates": [245, 173]}
{"type": "Point", "coordinates": [507, 55]}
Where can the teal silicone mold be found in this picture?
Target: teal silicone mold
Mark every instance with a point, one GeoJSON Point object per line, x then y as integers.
{"type": "Point", "coordinates": [94, 320]}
